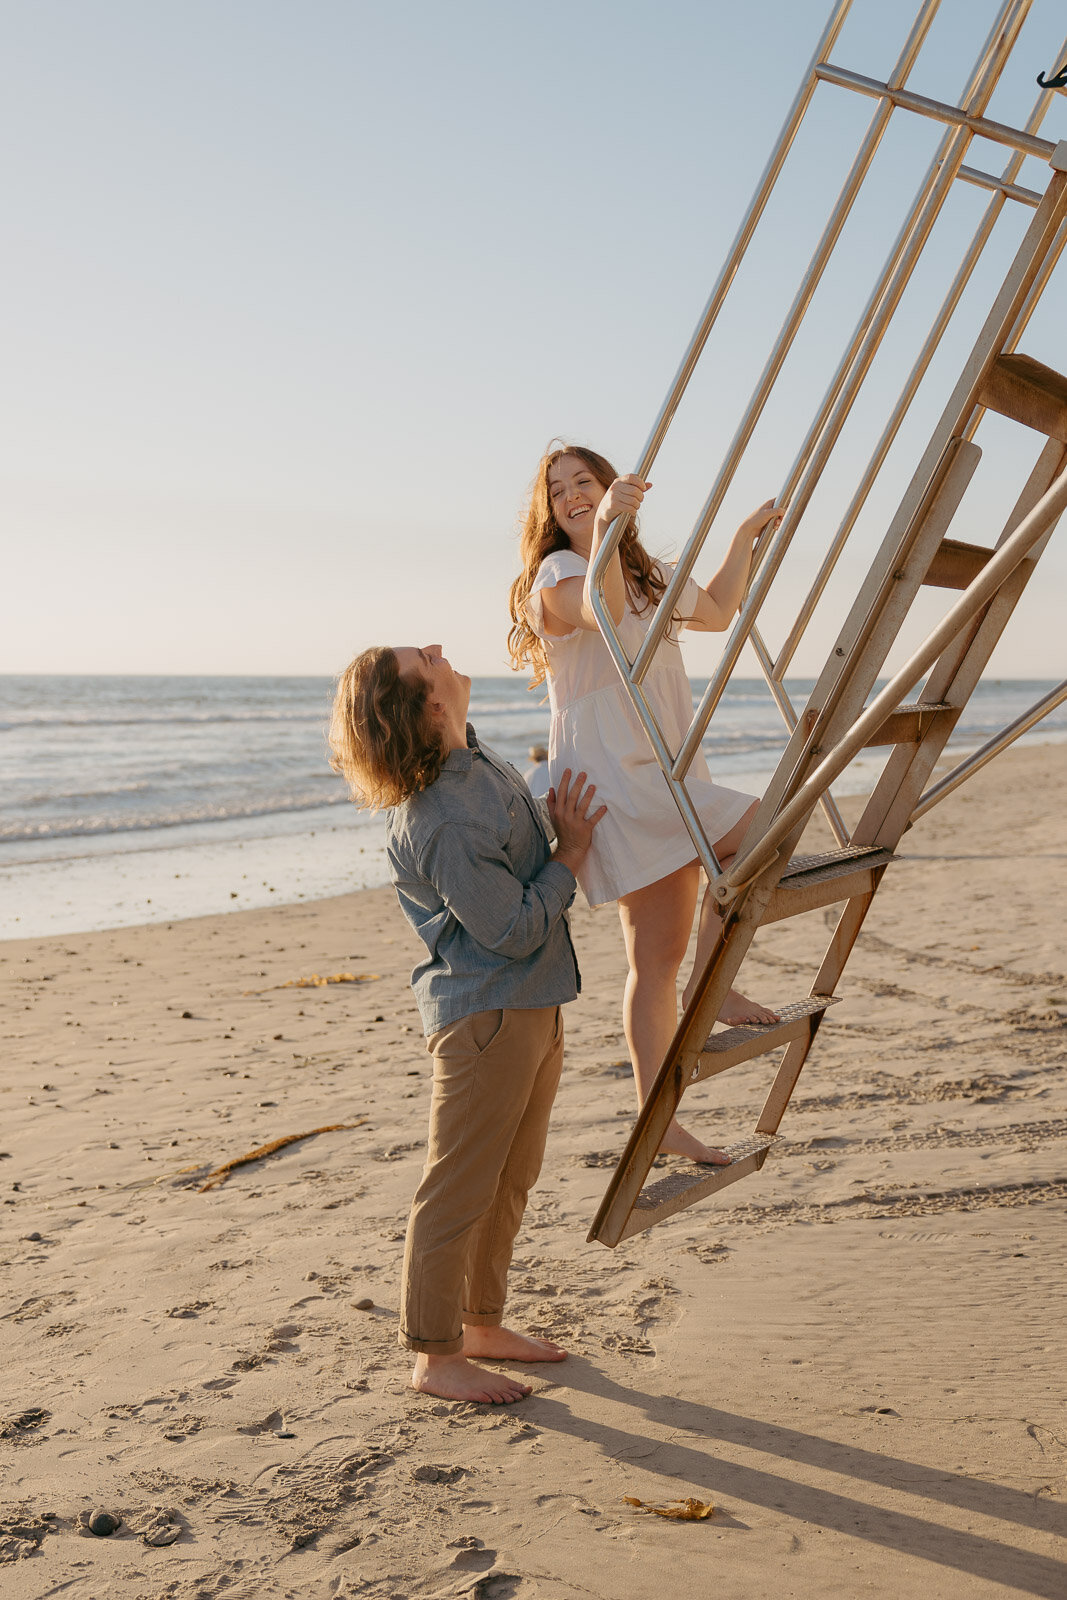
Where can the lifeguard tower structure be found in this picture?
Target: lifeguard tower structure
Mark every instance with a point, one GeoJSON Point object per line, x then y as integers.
{"type": "Point", "coordinates": [921, 549]}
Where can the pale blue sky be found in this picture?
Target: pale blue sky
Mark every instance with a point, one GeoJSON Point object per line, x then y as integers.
{"type": "Point", "coordinates": [295, 294]}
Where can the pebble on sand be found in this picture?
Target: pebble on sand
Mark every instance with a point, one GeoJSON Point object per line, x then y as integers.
{"type": "Point", "coordinates": [102, 1523]}
{"type": "Point", "coordinates": [364, 1304]}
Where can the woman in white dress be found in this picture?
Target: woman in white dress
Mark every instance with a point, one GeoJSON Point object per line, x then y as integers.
{"type": "Point", "coordinates": [642, 855]}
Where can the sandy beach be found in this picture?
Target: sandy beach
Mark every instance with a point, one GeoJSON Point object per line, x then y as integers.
{"type": "Point", "coordinates": [856, 1357]}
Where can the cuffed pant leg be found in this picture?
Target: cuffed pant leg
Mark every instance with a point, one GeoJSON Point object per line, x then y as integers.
{"type": "Point", "coordinates": [485, 1072]}
{"type": "Point", "coordinates": [493, 1239]}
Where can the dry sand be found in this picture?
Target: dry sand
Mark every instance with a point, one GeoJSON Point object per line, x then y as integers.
{"type": "Point", "coordinates": [857, 1355]}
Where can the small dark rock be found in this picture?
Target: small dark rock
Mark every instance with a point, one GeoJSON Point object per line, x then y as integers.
{"type": "Point", "coordinates": [102, 1523]}
{"type": "Point", "coordinates": [32, 1238]}
{"type": "Point", "coordinates": [188, 1015]}
{"type": "Point", "coordinates": [364, 1305]}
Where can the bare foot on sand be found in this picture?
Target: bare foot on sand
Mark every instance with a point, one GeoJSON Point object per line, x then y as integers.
{"type": "Point", "coordinates": [456, 1378]}
{"type": "Point", "coordinates": [677, 1141]}
{"type": "Point", "coordinates": [503, 1344]}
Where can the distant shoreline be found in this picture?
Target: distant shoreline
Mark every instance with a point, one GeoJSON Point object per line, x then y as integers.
{"type": "Point", "coordinates": [209, 869]}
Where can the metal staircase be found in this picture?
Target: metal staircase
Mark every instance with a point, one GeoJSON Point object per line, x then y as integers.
{"type": "Point", "coordinates": [766, 881]}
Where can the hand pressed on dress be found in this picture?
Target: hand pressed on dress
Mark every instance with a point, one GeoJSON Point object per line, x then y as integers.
{"type": "Point", "coordinates": [569, 809]}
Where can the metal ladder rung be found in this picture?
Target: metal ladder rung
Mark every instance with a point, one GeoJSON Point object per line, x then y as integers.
{"type": "Point", "coordinates": [681, 1189]}
{"type": "Point", "coordinates": [1028, 392]}
{"type": "Point", "coordinates": [811, 882]}
{"type": "Point", "coordinates": [909, 724]}
{"type": "Point", "coordinates": [848, 855]}
{"type": "Point", "coordinates": [734, 1045]}
{"type": "Point", "coordinates": [955, 564]}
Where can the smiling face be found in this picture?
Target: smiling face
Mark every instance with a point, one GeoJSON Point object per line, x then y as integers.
{"type": "Point", "coordinates": [574, 494]}
{"type": "Point", "coordinates": [450, 691]}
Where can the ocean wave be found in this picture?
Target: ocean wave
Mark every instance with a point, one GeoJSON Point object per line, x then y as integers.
{"type": "Point", "coordinates": [169, 719]}
{"type": "Point", "coordinates": [82, 827]}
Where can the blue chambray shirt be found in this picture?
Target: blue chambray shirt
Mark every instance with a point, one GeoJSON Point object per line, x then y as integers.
{"type": "Point", "coordinates": [473, 872]}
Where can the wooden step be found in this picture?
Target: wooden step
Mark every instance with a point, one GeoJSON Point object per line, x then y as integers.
{"type": "Point", "coordinates": [810, 882]}
{"type": "Point", "coordinates": [734, 1045]}
{"type": "Point", "coordinates": [955, 564]}
{"type": "Point", "coordinates": [909, 724]}
{"type": "Point", "coordinates": [681, 1189]}
{"type": "Point", "coordinates": [1021, 388]}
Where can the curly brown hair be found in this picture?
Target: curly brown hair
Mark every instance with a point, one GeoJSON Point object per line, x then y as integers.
{"type": "Point", "coordinates": [383, 739]}
{"type": "Point", "coordinates": [541, 535]}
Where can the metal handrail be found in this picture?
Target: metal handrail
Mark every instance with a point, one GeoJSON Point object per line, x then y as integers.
{"type": "Point", "coordinates": [965, 121]}
{"type": "Point", "coordinates": [907, 394]}
{"type": "Point", "coordinates": [999, 566]}
{"type": "Point", "coordinates": [980, 86]}
{"type": "Point", "coordinates": [784, 342]}
{"type": "Point", "coordinates": [855, 363]}
{"type": "Point", "coordinates": [992, 747]}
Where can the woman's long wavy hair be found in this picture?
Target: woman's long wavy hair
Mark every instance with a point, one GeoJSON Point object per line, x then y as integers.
{"type": "Point", "coordinates": [383, 739]}
{"type": "Point", "coordinates": [541, 535]}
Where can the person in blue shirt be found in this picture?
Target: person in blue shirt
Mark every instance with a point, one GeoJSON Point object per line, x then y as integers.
{"type": "Point", "coordinates": [476, 877]}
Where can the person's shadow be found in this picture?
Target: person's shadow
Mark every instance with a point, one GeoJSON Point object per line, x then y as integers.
{"type": "Point", "coordinates": [926, 1537]}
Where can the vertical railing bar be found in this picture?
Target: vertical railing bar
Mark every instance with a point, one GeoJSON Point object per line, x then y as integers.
{"type": "Point", "coordinates": [915, 377]}
{"type": "Point", "coordinates": [855, 363]}
{"type": "Point", "coordinates": [706, 854]}
{"type": "Point", "coordinates": [789, 716]}
{"type": "Point", "coordinates": [786, 336]}
{"type": "Point", "coordinates": [709, 316]}
{"type": "Point", "coordinates": [838, 826]}
{"type": "Point", "coordinates": [992, 747]}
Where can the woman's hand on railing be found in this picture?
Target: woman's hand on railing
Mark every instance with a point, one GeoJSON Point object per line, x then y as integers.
{"type": "Point", "coordinates": [726, 590]}
{"type": "Point", "coordinates": [767, 515]}
{"type": "Point", "coordinates": [622, 499]}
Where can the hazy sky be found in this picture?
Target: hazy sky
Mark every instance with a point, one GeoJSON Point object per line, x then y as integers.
{"type": "Point", "coordinates": [296, 293]}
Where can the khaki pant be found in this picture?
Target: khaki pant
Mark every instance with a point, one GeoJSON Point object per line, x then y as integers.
{"type": "Point", "coordinates": [495, 1076]}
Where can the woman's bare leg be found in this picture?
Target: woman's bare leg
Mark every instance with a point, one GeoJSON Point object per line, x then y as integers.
{"type": "Point", "coordinates": [736, 1008]}
{"type": "Point", "coordinates": [656, 922]}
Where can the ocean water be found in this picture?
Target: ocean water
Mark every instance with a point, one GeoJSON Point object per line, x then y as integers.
{"type": "Point", "coordinates": [133, 799]}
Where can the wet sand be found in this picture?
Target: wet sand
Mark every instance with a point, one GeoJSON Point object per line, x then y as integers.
{"type": "Point", "coordinates": [856, 1355]}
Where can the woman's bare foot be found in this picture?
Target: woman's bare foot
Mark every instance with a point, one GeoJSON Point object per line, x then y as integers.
{"type": "Point", "coordinates": [737, 1009]}
{"type": "Point", "coordinates": [678, 1142]}
{"type": "Point", "coordinates": [456, 1378]}
{"type": "Point", "coordinates": [503, 1344]}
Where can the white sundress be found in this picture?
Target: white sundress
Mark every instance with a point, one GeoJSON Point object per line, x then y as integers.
{"type": "Point", "coordinates": [595, 729]}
